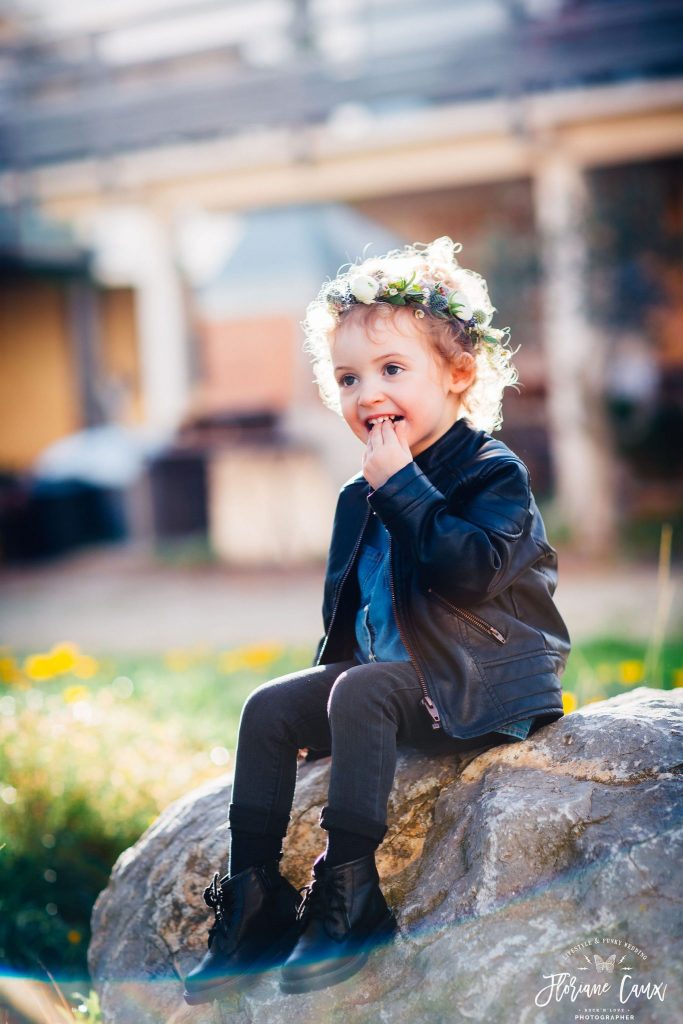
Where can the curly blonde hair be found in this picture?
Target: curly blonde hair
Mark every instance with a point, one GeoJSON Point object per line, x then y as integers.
{"type": "Point", "coordinates": [435, 265]}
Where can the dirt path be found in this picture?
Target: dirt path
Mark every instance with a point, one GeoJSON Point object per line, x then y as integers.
{"type": "Point", "coordinates": [119, 600]}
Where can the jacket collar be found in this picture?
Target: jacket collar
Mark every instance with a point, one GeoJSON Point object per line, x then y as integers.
{"type": "Point", "coordinates": [459, 440]}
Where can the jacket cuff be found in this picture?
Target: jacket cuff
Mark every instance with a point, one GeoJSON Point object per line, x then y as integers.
{"type": "Point", "coordinates": [402, 492]}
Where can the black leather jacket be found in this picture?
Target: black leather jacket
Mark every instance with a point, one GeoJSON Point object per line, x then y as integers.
{"type": "Point", "coordinates": [473, 578]}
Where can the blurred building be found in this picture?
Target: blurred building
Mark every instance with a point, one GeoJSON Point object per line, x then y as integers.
{"type": "Point", "coordinates": [217, 161]}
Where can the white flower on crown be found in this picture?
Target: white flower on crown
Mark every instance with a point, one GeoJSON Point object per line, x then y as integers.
{"type": "Point", "coordinates": [471, 290]}
{"type": "Point", "coordinates": [364, 289]}
{"type": "Point", "coordinates": [459, 302]}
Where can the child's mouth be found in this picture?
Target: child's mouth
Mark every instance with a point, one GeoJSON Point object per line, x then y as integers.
{"type": "Point", "coordinates": [380, 419]}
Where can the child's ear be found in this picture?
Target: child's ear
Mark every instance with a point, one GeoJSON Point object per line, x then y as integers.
{"type": "Point", "coordinates": [463, 372]}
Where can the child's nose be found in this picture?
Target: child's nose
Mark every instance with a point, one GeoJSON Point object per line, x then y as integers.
{"type": "Point", "coordinates": [370, 393]}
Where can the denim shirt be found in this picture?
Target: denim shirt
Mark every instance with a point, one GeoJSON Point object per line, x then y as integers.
{"type": "Point", "coordinates": [377, 636]}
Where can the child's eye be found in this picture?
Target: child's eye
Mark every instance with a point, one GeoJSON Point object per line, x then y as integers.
{"type": "Point", "coordinates": [393, 369]}
{"type": "Point", "coordinates": [346, 380]}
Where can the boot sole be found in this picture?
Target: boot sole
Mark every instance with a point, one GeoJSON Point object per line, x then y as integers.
{"type": "Point", "coordinates": [297, 986]}
{"type": "Point", "coordinates": [272, 958]}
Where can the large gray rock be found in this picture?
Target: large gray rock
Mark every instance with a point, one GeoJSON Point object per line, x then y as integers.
{"type": "Point", "coordinates": [498, 865]}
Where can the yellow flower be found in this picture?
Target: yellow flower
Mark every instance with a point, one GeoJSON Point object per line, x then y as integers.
{"type": "Point", "coordinates": [678, 677]}
{"type": "Point", "coordinates": [72, 694]}
{"type": "Point", "coordinates": [39, 667]}
{"type": "Point", "coordinates": [60, 660]}
{"type": "Point", "coordinates": [85, 667]}
{"type": "Point", "coordinates": [569, 702]}
{"type": "Point", "coordinates": [261, 656]}
{"type": "Point", "coordinates": [255, 657]}
{"type": "Point", "coordinates": [63, 657]}
{"type": "Point", "coordinates": [631, 672]}
{"type": "Point", "coordinates": [9, 670]}
{"type": "Point", "coordinates": [73, 937]}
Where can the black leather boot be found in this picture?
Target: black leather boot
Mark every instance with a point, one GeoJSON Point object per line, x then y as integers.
{"type": "Point", "coordinates": [256, 928]}
{"type": "Point", "coordinates": [344, 915]}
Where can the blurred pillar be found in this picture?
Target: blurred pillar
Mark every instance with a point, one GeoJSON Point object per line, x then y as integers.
{"type": "Point", "coordinates": [163, 335]}
{"type": "Point", "coordinates": [84, 333]}
{"type": "Point", "coordinates": [133, 248]}
{"type": "Point", "coordinates": [575, 357]}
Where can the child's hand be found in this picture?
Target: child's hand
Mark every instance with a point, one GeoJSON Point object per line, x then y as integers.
{"type": "Point", "coordinates": [387, 451]}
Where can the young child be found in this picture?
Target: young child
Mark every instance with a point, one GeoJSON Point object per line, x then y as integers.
{"type": "Point", "coordinates": [440, 628]}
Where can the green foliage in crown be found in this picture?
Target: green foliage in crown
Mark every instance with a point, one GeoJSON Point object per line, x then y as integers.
{"type": "Point", "coordinates": [424, 297]}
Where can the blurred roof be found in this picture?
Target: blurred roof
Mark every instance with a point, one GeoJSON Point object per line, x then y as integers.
{"type": "Point", "coordinates": [90, 78]}
{"type": "Point", "coordinates": [291, 248]}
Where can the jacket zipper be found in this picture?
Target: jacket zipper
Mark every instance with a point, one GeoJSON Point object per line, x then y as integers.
{"type": "Point", "coordinates": [340, 587]}
{"type": "Point", "coordinates": [481, 624]}
{"type": "Point", "coordinates": [426, 699]}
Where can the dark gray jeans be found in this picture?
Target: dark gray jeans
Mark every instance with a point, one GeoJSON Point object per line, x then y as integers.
{"type": "Point", "coordinates": [361, 713]}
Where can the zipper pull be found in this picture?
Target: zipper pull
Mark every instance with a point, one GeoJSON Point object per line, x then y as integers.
{"type": "Point", "coordinates": [433, 713]}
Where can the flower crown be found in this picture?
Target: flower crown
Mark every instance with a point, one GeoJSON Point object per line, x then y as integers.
{"type": "Point", "coordinates": [423, 297]}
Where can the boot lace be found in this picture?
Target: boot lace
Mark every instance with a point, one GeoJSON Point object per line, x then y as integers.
{"type": "Point", "coordinates": [222, 903]}
{"type": "Point", "coordinates": [321, 898]}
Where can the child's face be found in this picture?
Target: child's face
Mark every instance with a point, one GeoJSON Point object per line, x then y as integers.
{"type": "Point", "coordinates": [396, 373]}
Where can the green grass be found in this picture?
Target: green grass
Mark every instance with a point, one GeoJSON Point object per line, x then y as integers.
{"type": "Point", "coordinates": [91, 751]}
{"type": "Point", "coordinates": [86, 764]}
{"type": "Point", "coordinates": [607, 666]}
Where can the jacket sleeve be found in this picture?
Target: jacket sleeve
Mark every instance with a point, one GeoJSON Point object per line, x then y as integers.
{"type": "Point", "coordinates": [470, 550]}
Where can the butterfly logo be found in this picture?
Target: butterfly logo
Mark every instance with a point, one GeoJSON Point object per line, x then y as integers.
{"type": "Point", "coordinates": [605, 966]}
